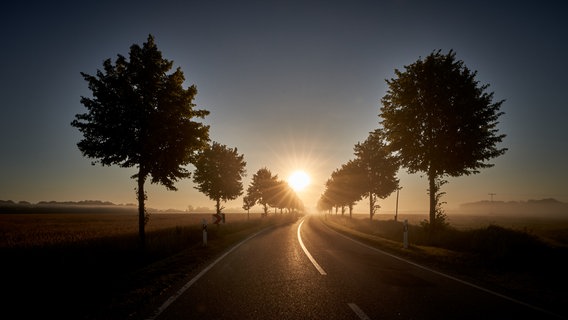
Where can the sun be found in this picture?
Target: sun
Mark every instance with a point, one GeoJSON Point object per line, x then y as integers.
{"type": "Point", "coordinates": [299, 180]}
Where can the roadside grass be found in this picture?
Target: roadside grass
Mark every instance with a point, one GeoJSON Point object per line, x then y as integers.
{"type": "Point", "coordinates": [513, 262]}
{"type": "Point", "coordinates": [77, 266]}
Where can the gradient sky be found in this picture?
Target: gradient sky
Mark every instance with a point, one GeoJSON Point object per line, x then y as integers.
{"type": "Point", "coordinates": [291, 84]}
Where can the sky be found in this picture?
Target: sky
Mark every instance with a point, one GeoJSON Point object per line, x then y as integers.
{"type": "Point", "coordinates": [291, 84]}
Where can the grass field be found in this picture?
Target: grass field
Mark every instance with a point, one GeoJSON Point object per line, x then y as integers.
{"type": "Point", "coordinates": [46, 229]}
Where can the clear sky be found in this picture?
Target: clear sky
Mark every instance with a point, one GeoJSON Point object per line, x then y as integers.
{"type": "Point", "coordinates": [291, 84]}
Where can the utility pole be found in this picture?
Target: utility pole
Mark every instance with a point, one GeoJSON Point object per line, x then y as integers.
{"type": "Point", "coordinates": [492, 194]}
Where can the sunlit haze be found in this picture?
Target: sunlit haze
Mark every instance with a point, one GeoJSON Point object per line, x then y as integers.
{"type": "Point", "coordinates": [293, 85]}
{"type": "Point", "coordinates": [299, 180]}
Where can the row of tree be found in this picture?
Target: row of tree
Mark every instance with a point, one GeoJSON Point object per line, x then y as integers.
{"type": "Point", "coordinates": [140, 116]}
{"type": "Point", "coordinates": [436, 119]}
{"type": "Point", "coordinates": [218, 174]}
{"type": "Point", "coordinates": [270, 192]}
{"type": "Point", "coordinates": [371, 175]}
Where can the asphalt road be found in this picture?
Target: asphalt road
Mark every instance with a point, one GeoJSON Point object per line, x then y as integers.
{"type": "Point", "coordinates": [271, 276]}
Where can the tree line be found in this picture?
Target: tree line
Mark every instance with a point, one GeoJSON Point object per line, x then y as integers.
{"type": "Point", "coordinates": [436, 119]}
{"type": "Point", "coordinates": [141, 116]}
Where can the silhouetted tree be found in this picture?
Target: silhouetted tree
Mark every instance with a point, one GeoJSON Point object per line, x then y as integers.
{"type": "Point", "coordinates": [262, 188]}
{"type": "Point", "coordinates": [440, 121]}
{"type": "Point", "coordinates": [346, 186]}
{"type": "Point", "coordinates": [324, 203]}
{"type": "Point", "coordinates": [218, 173]}
{"type": "Point", "coordinates": [248, 203]}
{"type": "Point", "coordinates": [141, 116]}
{"type": "Point", "coordinates": [353, 180]}
{"type": "Point", "coordinates": [380, 167]}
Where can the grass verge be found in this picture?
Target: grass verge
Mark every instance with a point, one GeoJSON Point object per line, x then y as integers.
{"type": "Point", "coordinates": [536, 282]}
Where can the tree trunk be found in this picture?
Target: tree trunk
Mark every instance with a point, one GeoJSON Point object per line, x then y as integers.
{"type": "Point", "coordinates": [141, 210]}
{"type": "Point", "coordinates": [433, 191]}
{"type": "Point", "coordinates": [218, 206]}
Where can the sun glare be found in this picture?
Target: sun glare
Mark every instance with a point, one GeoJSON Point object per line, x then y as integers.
{"type": "Point", "coordinates": [299, 180]}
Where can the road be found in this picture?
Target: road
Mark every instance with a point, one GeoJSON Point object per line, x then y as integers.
{"type": "Point", "coordinates": [271, 276]}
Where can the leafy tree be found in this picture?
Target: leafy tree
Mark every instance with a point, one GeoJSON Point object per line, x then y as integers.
{"type": "Point", "coordinates": [248, 203]}
{"type": "Point", "coordinates": [324, 203]}
{"type": "Point", "coordinates": [346, 186]}
{"type": "Point", "coordinates": [441, 121]}
{"type": "Point", "coordinates": [262, 187]}
{"type": "Point", "coordinates": [352, 178]}
{"type": "Point", "coordinates": [141, 116]}
{"type": "Point", "coordinates": [218, 173]}
{"type": "Point", "coordinates": [380, 167]}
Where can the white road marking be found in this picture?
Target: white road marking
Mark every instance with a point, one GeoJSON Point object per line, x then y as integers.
{"type": "Point", "coordinates": [178, 293]}
{"type": "Point", "coordinates": [314, 262]}
{"type": "Point", "coordinates": [360, 313]}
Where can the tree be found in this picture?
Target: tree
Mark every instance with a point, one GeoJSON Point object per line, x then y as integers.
{"type": "Point", "coordinates": [352, 178]}
{"type": "Point", "coordinates": [218, 173]}
{"type": "Point", "coordinates": [441, 121]}
{"type": "Point", "coordinates": [324, 203]}
{"type": "Point", "coordinates": [248, 203]}
{"type": "Point", "coordinates": [141, 116]}
{"type": "Point", "coordinates": [262, 187]}
{"type": "Point", "coordinates": [380, 167]}
{"type": "Point", "coordinates": [346, 186]}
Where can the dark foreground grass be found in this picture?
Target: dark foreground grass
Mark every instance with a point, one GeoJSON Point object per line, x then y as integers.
{"type": "Point", "coordinates": [110, 277]}
{"type": "Point", "coordinates": [512, 262]}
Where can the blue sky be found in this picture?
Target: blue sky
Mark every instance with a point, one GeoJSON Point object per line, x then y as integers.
{"type": "Point", "coordinates": [291, 84]}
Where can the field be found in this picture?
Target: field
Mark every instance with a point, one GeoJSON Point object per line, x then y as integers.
{"type": "Point", "coordinates": [90, 266]}
{"type": "Point", "coordinates": [552, 229]}
{"type": "Point", "coordinates": [91, 262]}
{"type": "Point", "coordinates": [47, 229]}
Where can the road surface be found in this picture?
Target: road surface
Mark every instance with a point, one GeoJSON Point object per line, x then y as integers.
{"type": "Point", "coordinates": [307, 271]}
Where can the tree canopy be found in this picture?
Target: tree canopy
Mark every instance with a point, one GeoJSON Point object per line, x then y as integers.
{"type": "Point", "coordinates": [345, 186]}
{"type": "Point", "coordinates": [379, 167]}
{"type": "Point", "coordinates": [262, 188]}
{"type": "Point", "coordinates": [439, 120]}
{"type": "Point", "coordinates": [140, 116]}
{"type": "Point", "coordinates": [218, 173]}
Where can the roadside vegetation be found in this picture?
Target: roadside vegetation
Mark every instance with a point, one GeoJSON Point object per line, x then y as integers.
{"type": "Point", "coordinates": [516, 262]}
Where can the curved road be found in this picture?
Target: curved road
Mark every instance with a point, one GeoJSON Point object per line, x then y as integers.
{"type": "Point", "coordinates": [307, 271]}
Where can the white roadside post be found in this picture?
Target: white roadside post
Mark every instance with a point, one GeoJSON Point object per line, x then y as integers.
{"type": "Point", "coordinates": [405, 236]}
{"type": "Point", "coordinates": [204, 222]}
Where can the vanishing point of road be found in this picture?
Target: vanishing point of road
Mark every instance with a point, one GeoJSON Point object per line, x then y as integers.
{"type": "Point", "coordinates": [305, 270]}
